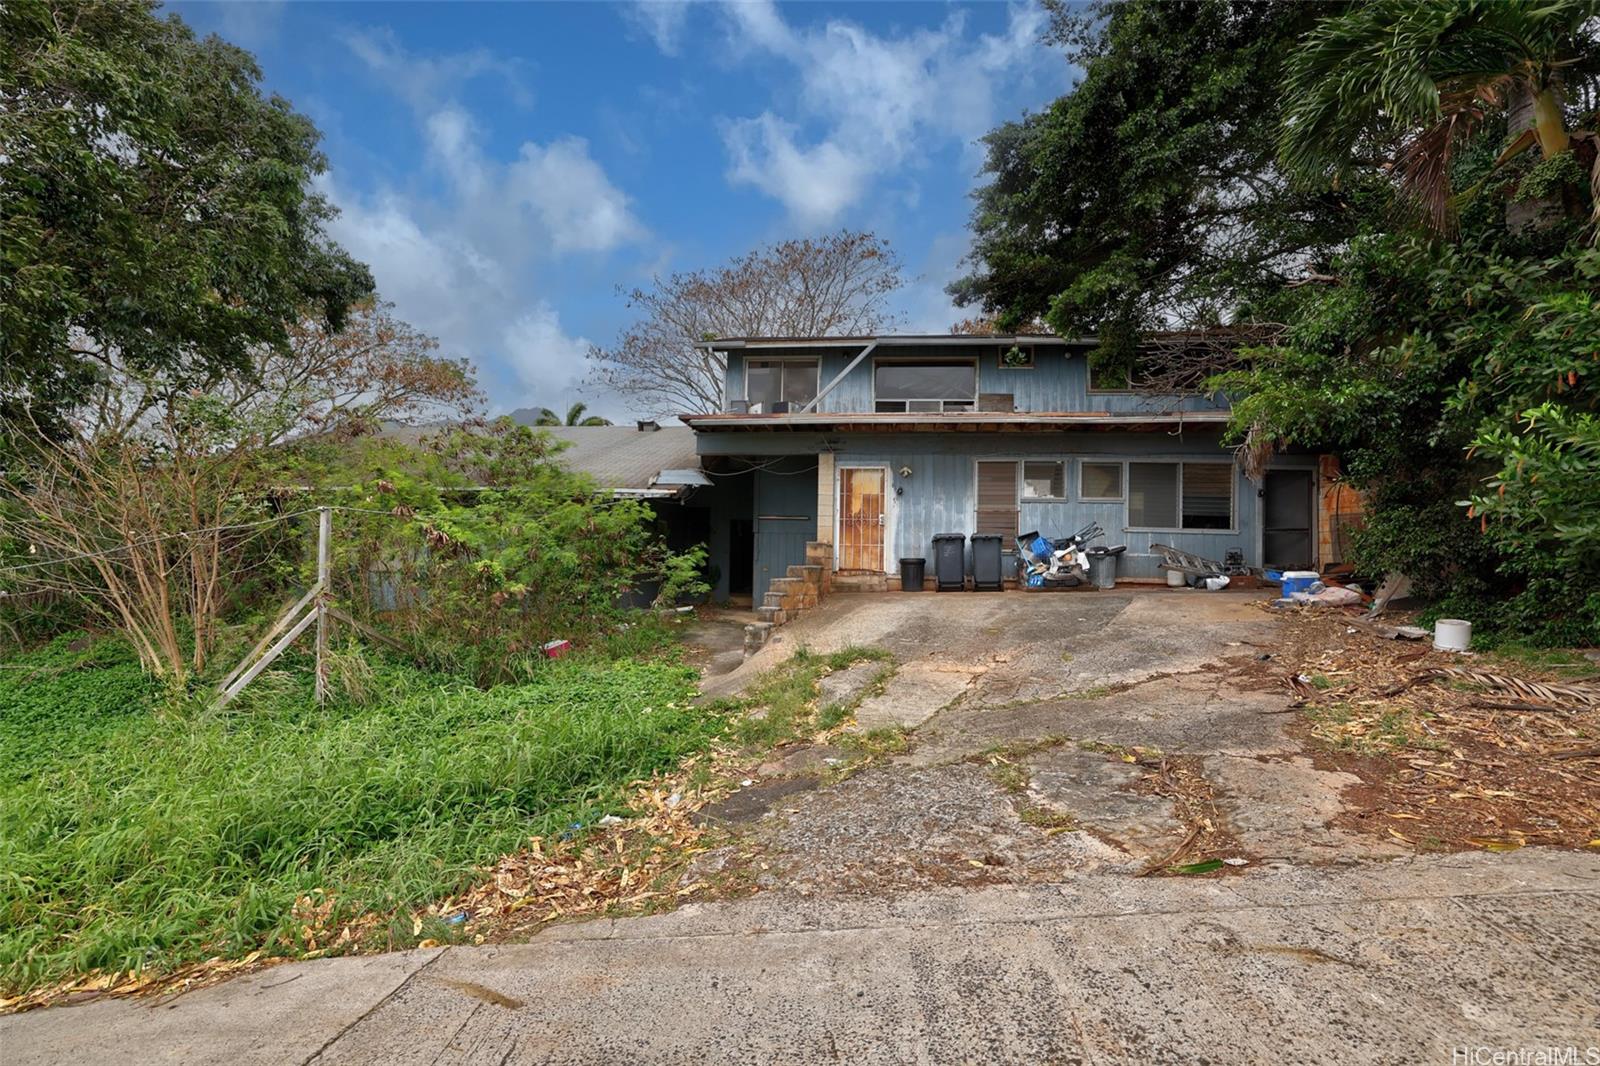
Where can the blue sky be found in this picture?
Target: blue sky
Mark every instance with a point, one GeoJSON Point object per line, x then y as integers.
{"type": "Point", "coordinates": [504, 167]}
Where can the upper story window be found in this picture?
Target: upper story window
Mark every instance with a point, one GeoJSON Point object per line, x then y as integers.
{"type": "Point", "coordinates": [773, 381]}
{"type": "Point", "coordinates": [933, 385]}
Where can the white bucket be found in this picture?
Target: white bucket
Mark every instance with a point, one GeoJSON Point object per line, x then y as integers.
{"type": "Point", "coordinates": [1452, 634]}
{"type": "Point", "coordinates": [1177, 579]}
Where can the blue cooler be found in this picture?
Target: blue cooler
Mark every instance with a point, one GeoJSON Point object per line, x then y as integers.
{"type": "Point", "coordinates": [1299, 581]}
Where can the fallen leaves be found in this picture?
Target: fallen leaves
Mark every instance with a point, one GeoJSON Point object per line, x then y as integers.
{"type": "Point", "coordinates": [1483, 756]}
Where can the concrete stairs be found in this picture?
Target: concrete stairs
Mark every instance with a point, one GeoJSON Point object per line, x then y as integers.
{"type": "Point", "coordinates": [801, 588]}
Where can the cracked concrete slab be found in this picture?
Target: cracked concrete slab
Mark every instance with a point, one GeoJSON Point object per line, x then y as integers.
{"type": "Point", "coordinates": [842, 688]}
{"type": "Point", "coordinates": [916, 692]}
{"type": "Point", "coordinates": [1402, 961]}
{"type": "Point", "coordinates": [283, 1014]}
{"type": "Point", "coordinates": [1195, 713]}
{"type": "Point", "coordinates": [891, 830]}
{"type": "Point", "coordinates": [1097, 792]}
{"type": "Point", "coordinates": [1280, 808]}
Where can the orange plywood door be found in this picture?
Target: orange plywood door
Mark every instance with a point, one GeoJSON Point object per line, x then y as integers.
{"type": "Point", "coordinates": [861, 519]}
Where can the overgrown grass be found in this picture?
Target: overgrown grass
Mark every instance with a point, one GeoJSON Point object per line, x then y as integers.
{"type": "Point", "coordinates": [136, 835]}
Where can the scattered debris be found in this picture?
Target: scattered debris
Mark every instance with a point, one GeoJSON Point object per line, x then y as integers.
{"type": "Point", "coordinates": [1460, 756]}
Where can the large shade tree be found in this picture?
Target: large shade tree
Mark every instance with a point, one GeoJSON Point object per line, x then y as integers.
{"type": "Point", "coordinates": [156, 211]}
{"type": "Point", "coordinates": [1150, 195]}
{"type": "Point", "coordinates": [1452, 364]}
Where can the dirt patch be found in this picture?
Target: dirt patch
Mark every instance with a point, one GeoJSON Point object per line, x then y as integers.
{"type": "Point", "coordinates": [1439, 757]}
{"type": "Point", "coordinates": [753, 801]}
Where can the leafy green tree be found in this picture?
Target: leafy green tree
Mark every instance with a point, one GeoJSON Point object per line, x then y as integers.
{"type": "Point", "coordinates": [1151, 192]}
{"type": "Point", "coordinates": [1420, 80]}
{"type": "Point", "coordinates": [155, 207]}
{"type": "Point", "coordinates": [575, 417]}
{"type": "Point", "coordinates": [478, 547]}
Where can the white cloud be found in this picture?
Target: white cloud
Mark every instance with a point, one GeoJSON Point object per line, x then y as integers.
{"type": "Point", "coordinates": [539, 348]}
{"type": "Point", "coordinates": [423, 80]}
{"type": "Point", "coordinates": [663, 20]}
{"type": "Point", "coordinates": [875, 101]}
{"type": "Point", "coordinates": [580, 208]}
{"type": "Point", "coordinates": [814, 183]}
{"type": "Point", "coordinates": [462, 261]}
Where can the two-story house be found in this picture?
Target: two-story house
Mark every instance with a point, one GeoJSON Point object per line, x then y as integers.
{"type": "Point", "coordinates": [853, 452]}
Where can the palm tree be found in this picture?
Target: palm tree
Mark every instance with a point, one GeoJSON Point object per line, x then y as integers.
{"type": "Point", "coordinates": [1430, 72]}
{"type": "Point", "coordinates": [575, 417]}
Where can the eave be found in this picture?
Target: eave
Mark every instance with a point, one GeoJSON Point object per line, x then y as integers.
{"type": "Point", "coordinates": [964, 422]}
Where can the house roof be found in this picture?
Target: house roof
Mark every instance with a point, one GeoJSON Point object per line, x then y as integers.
{"type": "Point", "coordinates": [891, 340]}
{"type": "Point", "coordinates": [627, 460]}
{"type": "Point", "coordinates": [965, 421]}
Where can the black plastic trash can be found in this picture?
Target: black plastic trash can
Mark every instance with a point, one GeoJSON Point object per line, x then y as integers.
{"type": "Point", "coordinates": [950, 561]}
{"type": "Point", "coordinates": [986, 562]}
{"type": "Point", "coordinates": [912, 572]}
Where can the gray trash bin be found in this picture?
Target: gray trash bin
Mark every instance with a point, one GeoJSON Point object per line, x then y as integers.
{"type": "Point", "coordinates": [950, 561]}
{"type": "Point", "coordinates": [986, 562]}
{"type": "Point", "coordinates": [1103, 566]}
{"type": "Point", "coordinates": [911, 574]}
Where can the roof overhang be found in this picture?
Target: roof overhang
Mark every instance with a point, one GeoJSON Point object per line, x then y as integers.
{"type": "Point", "coordinates": [965, 422]}
{"type": "Point", "coordinates": [959, 340]}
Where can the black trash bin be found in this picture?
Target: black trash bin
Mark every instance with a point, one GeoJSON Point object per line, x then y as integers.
{"type": "Point", "coordinates": [912, 572]}
{"type": "Point", "coordinates": [950, 561]}
{"type": "Point", "coordinates": [986, 562]}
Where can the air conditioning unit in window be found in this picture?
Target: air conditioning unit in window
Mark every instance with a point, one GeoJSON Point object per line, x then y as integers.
{"type": "Point", "coordinates": [780, 407]}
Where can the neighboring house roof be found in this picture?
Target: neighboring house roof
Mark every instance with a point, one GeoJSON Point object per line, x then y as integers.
{"type": "Point", "coordinates": [967, 421]}
{"type": "Point", "coordinates": [631, 461]}
{"type": "Point", "coordinates": [627, 460]}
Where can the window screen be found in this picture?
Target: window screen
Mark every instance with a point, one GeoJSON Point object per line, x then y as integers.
{"type": "Point", "coordinates": [1153, 495]}
{"type": "Point", "coordinates": [925, 386]}
{"type": "Point", "coordinates": [769, 380]}
{"type": "Point", "coordinates": [997, 499]}
{"type": "Point", "coordinates": [763, 383]}
{"type": "Point", "coordinates": [1044, 481]}
{"type": "Point", "coordinates": [1100, 481]}
{"type": "Point", "coordinates": [1207, 496]}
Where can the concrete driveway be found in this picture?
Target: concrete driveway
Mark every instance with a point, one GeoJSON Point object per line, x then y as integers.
{"type": "Point", "coordinates": [978, 896]}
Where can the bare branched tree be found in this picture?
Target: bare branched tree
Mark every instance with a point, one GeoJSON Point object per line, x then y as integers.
{"type": "Point", "coordinates": [836, 285]}
{"type": "Point", "coordinates": [143, 512]}
{"type": "Point", "coordinates": [989, 326]}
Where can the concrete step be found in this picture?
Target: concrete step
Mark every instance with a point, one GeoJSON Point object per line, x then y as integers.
{"type": "Point", "coordinates": [806, 572]}
{"type": "Point", "coordinates": [772, 615]}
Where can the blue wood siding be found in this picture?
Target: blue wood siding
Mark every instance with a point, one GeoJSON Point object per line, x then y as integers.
{"type": "Point", "coordinates": [1058, 382]}
{"type": "Point", "coordinates": [939, 495]}
{"type": "Point", "coordinates": [785, 517]}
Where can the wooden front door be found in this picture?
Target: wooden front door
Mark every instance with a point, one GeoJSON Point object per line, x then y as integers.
{"type": "Point", "coordinates": [861, 518]}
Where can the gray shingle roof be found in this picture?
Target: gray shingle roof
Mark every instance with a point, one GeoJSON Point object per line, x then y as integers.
{"type": "Point", "coordinates": [625, 457]}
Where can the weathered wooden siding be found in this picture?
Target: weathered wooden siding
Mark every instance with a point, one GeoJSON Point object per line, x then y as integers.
{"type": "Point", "coordinates": [1060, 381]}
{"type": "Point", "coordinates": [785, 517]}
{"type": "Point", "coordinates": [939, 494]}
